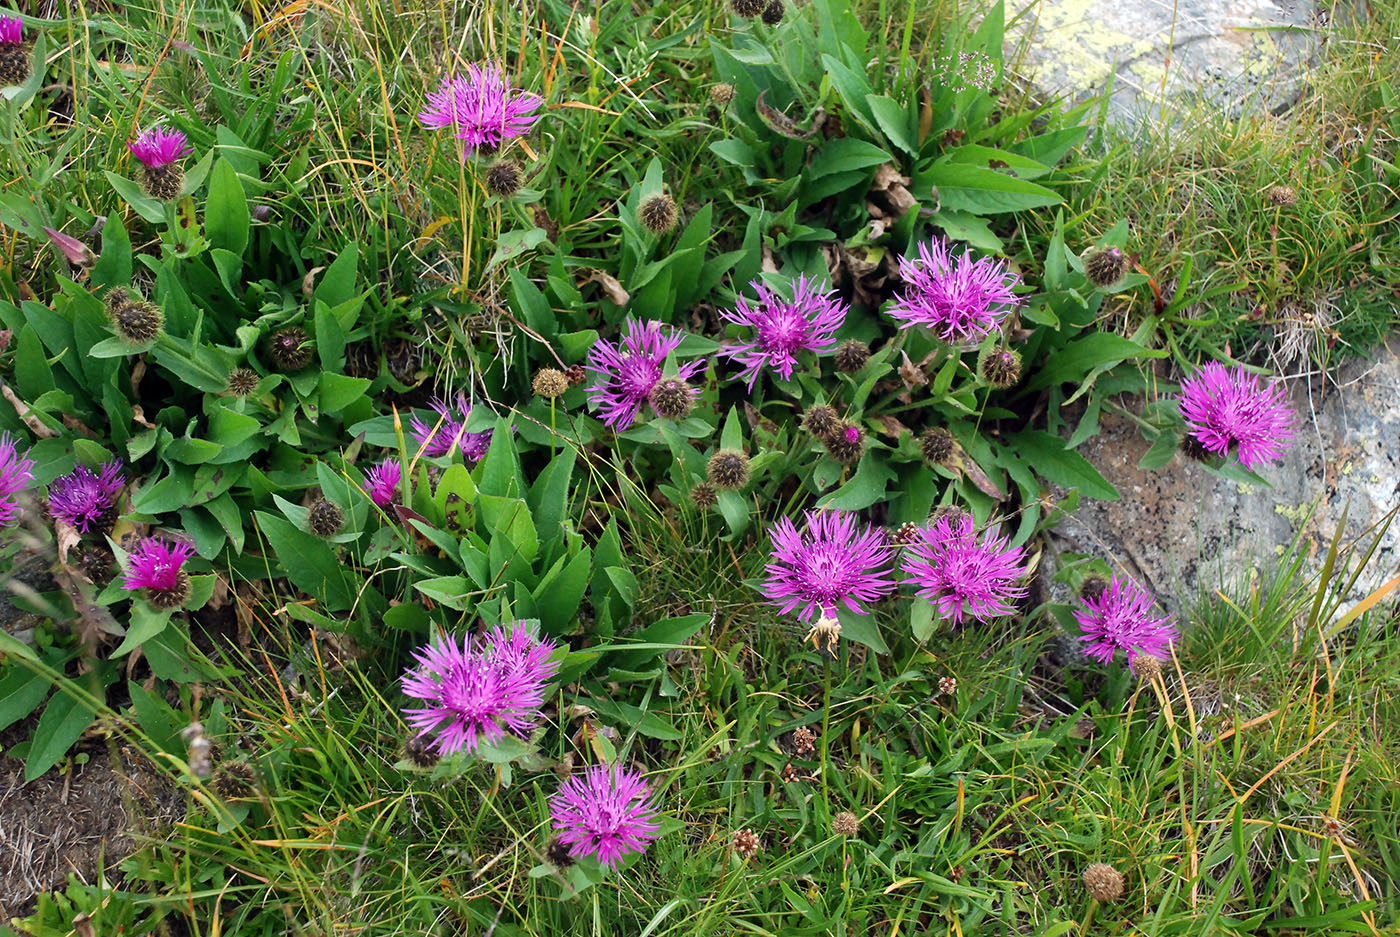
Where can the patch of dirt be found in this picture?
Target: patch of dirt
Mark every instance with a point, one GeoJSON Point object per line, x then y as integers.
{"type": "Point", "coordinates": [75, 822]}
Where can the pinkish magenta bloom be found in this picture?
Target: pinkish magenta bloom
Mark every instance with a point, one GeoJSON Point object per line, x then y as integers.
{"type": "Point", "coordinates": [1223, 407]}
{"type": "Point", "coordinates": [481, 689]}
{"type": "Point", "coordinates": [159, 147]}
{"type": "Point", "coordinates": [382, 482]}
{"type": "Point", "coordinates": [630, 369]}
{"type": "Point", "coordinates": [607, 814]}
{"type": "Point", "coordinates": [831, 563]}
{"type": "Point", "coordinates": [1120, 619]}
{"type": "Point", "coordinates": [449, 433]}
{"type": "Point", "coordinates": [83, 497]}
{"type": "Point", "coordinates": [782, 328]}
{"type": "Point", "coordinates": [11, 29]}
{"type": "Point", "coordinates": [959, 300]}
{"type": "Point", "coordinates": [480, 109]}
{"type": "Point", "coordinates": [15, 474]}
{"type": "Point", "coordinates": [155, 564]}
{"type": "Point", "coordinates": [963, 575]}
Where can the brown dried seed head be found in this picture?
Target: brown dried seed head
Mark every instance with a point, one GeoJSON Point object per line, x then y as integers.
{"type": "Point", "coordinates": [1103, 882]}
{"type": "Point", "coordinates": [746, 844]}
{"type": "Point", "coordinates": [937, 445]}
{"type": "Point", "coordinates": [728, 469]}
{"type": "Point", "coordinates": [947, 686]}
{"type": "Point", "coordinates": [703, 496]}
{"type": "Point", "coordinates": [852, 356]}
{"type": "Point", "coordinates": [1283, 195]}
{"type": "Point", "coordinates": [324, 518]}
{"type": "Point", "coordinates": [845, 824]}
{"type": "Point", "coordinates": [550, 383]}
{"type": "Point", "coordinates": [503, 179]}
{"type": "Point", "coordinates": [672, 398]}
{"type": "Point", "coordinates": [748, 8]}
{"type": "Point", "coordinates": [657, 213]}
{"type": "Point", "coordinates": [1105, 267]}
{"type": "Point", "coordinates": [721, 93]}
{"type": "Point", "coordinates": [803, 740]}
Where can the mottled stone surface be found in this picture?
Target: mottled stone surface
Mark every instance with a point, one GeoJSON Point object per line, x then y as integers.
{"type": "Point", "coordinates": [1231, 53]}
{"type": "Point", "coordinates": [1181, 527]}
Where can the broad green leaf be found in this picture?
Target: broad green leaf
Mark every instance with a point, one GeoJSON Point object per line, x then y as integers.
{"type": "Point", "coordinates": [1065, 467]}
{"type": "Point", "coordinates": [226, 216]}
{"type": "Point", "coordinates": [310, 564]}
{"type": "Point", "coordinates": [64, 721]}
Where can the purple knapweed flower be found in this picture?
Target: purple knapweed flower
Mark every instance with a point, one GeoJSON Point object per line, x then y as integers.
{"type": "Point", "coordinates": [630, 369]}
{"type": "Point", "coordinates": [159, 147]}
{"type": "Point", "coordinates": [962, 574]}
{"type": "Point", "coordinates": [607, 814]}
{"type": "Point", "coordinates": [957, 299]}
{"type": "Point", "coordinates": [1223, 407]}
{"type": "Point", "coordinates": [782, 328]}
{"type": "Point", "coordinates": [156, 564]}
{"type": "Point", "coordinates": [382, 482]}
{"type": "Point", "coordinates": [831, 563]}
{"type": "Point", "coordinates": [480, 108]}
{"type": "Point", "coordinates": [1120, 618]}
{"type": "Point", "coordinates": [481, 689]}
{"type": "Point", "coordinates": [11, 29]}
{"type": "Point", "coordinates": [15, 474]}
{"type": "Point", "coordinates": [83, 497]}
{"type": "Point", "coordinates": [448, 434]}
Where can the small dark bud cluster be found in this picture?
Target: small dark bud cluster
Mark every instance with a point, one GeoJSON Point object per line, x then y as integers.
{"type": "Point", "coordinates": [703, 496]}
{"type": "Point", "coordinates": [173, 597]}
{"type": "Point", "coordinates": [852, 356]}
{"type": "Point", "coordinates": [503, 179]}
{"type": "Point", "coordinates": [420, 751]}
{"type": "Point", "coordinates": [14, 64]}
{"type": "Point", "coordinates": [846, 443]}
{"type": "Point", "coordinates": [325, 518]}
{"type": "Point", "coordinates": [1093, 586]}
{"type": "Point", "coordinates": [821, 421]}
{"type": "Point", "coordinates": [289, 349]}
{"type": "Point", "coordinates": [162, 182]}
{"type": "Point", "coordinates": [135, 320]}
{"type": "Point", "coordinates": [1001, 368]}
{"type": "Point", "coordinates": [657, 213]}
{"type": "Point", "coordinates": [575, 374]}
{"type": "Point", "coordinates": [1283, 195]}
{"type": "Point", "coordinates": [672, 398]}
{"type": "Point", "coordinates": [558, 854]}
{"type": "Point", "coordinates": [1105, 267]}
{"type": "Point", "coordinates": [937, 445]}
{"type": "Point", "coordinates": [746, 844]}
{"type": "Point", "coordinates": [772, 13]}
{"type": "Point", "coordinates": [728, 470]}
{"type": "Point", "coordinates": [748, 8]}
{"type": "Point", "coordinates": [242, 382]}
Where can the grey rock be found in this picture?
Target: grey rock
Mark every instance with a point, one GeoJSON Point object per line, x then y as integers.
{"type": "Point", "coordinates": [1182, 528]}
{"type": "Point", "coordinates": [1228, 54]}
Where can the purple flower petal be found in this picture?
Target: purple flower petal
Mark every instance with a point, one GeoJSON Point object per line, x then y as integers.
{"type": "Point", "coordinates": [958, 299]}
{"type": "Point", "coordinates": [782, 328]}
{"type": "Point", "coordinates": [1236, 407]}
{"type": "Point", "coordinates": [831, 563]}
{"type": "Point", "coordinates": [1121, 619]}
{"type": "Point", "coordinates": [963, 575]}
{"type": "Point", "coordinates": [607, 814]}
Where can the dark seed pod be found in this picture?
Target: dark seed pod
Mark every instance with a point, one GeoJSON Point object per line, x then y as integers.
{"type": "Point", "coordinates": [325, 518]}
{"type": "Point", "coordinates": [420, 751]}
{"type": "Point", "coordinates": [852, 356]}
{"type": "Point", "coordinates": [138, 322]}
{"type": "Point", "coordinates": [503, 179]}
{"type": "Point", "coordinates": [575, 374]}
{"type": "Point", "coordinates": [1193, 449]}
{"type": "Point", "coordinates": [14, 64]}
{"type": "Point", "coordinates": [1283, 196]}
{"type": "Point", "coordinates": [97, 563]}
{"type": "Point", "coordinates": [1001, 368]}
{"type": "Point", "coordinates": [703, 496]}
{"type": "Point", "coordinates": [937, 445]}
{"type": "Point", "coordinates": [173, 597]}
{"type": "Point", "coordinates": [242, 382]}
{"type": "Point", "coordinates": [672, 398]}
{"type": "Point", "coordinates": [748, 8]}
{"type": "Point", "coordinates": [845, 444]}
{"type": "Point", "coordinates": [162, 182]}
{"type": "Point", "coordinates": [773, 13]}
{"type": "Point", "coordinates": [1093, 586]}
{"type": "Point", "coordinates": [558, 854]}
{"type": "Point", "coordinates": [288, 348]}
{"type": "Point", "coordinates": [1105, 267]}
{"type": "Point", "coordinates": [906, 533]}
{"type": "Point", "coordinates": [728, 469]}
{"type": "Point", "coordinates": [657, 213]}
{"type": "Point", "coordinates": [821, 421]}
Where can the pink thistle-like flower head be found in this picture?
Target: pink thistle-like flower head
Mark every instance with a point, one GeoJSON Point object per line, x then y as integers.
{"type": "Point", "coordinates": [11, 29]}
{"type": "Point", "coordinates": [831, 563]}
{"type": "Point", "coordinates": [630, 369]}
{"type": "Point", "coordinates": [156, 564]}
{"type": "Point", "coordinates": [83, 497]}
{"type": "Point", "coordinates": [959, 299]}
{"type": "Point", "coordinates": [964, 575]}
{"type": "Point", "coordinates": [607, 814]}
{"type": "Point", "coordinates": [15, 474]}
{"type": "Point", "coordinates": [782, 328]}
{"type": "Point", "coordinates": [480, 109]}
{"type": "Point", "coordinates": [1120, 618]}
{"type": "Point", "coordinates": [382, 482]}
{"type": "Point", "coordinates": [1224, 407]}
{"type": "Point", "coordinates": [449, 433]}
{"type": "Point", "coordinates": [480, 689]}
{"type": "Point", "coordinates": [158, 147]}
